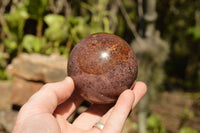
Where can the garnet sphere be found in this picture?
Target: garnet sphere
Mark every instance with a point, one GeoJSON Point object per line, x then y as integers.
{"type": "Point", "coordinates": [102, 66]}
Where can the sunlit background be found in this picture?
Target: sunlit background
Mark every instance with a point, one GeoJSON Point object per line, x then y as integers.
{"type": "Point", "coordinates": [37, 36]}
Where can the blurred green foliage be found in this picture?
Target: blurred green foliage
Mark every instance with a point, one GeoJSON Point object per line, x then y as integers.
{"type": "Point", "coordinates": [155, 125]}
{"type": "Point", "coordinates": [36, 8]}
{"type": "Point", "coordinates": [32, 43]}
{"type": "Point", "coordinates": [195, 31]}
{"type": "Point", "coordinates": [188, 130]}
{"type": "Point", "coordinates": [49, 26]}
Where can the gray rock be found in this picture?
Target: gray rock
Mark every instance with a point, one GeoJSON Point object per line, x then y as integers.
{"type": "Point", "coordinates": [23, 89]}
{"type": "Point", "coordinates": [5, 95]}
{"type": "Point", "coordinates": [38, 67]}
{"type": "Point", "coordinates": [7, 120]}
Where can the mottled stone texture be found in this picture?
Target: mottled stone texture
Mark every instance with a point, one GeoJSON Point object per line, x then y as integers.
{"type": "Point", "coordinates": [102, 66]}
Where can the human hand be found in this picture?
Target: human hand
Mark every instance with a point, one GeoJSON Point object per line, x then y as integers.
{"type": "Point", "coordinates": [48, 109]}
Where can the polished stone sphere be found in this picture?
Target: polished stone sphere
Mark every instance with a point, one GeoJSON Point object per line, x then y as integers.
{"type": "Point", "coordinates": [102, 66]}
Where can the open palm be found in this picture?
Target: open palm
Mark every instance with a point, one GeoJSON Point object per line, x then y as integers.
{"type": "Point", "coordinates": [47, 110]}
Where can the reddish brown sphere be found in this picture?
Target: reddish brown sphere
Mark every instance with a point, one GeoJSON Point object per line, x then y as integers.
{"type": "Point", "coordinates": [102, 66]}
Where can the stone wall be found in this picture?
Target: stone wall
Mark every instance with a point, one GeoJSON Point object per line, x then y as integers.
{"type": "Point", "coordinates": [29, 72]}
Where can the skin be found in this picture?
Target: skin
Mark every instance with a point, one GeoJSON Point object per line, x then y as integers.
{"type": "Point", "coordinates": [47, 110]}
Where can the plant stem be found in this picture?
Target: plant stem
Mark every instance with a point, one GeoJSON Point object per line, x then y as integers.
{"type": "Point", "coordinates": [68, 45]}
{"type": "Point", "coordinates": [39, 27]}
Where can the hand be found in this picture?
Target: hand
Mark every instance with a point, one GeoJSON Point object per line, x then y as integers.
{"type": "Point", "coordinates": [47, 110]}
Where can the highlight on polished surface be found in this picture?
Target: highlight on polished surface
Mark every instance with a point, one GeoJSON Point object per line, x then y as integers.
{"type": "Point", "coordinates": [104, 55]}
{"type": "Point", "coordinates": [102, 66]}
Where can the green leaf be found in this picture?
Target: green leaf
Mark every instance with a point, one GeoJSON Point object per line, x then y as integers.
{"type": "Point", "coordinates": [33, 44]}
{"type": "Point", "coordinates": [188, 130]}
{"type": "Point", "coordinates": [54, 20]}
{"type": "Point", "coordinates": [16, 21]}
{"type": "Point", "coordinates": [36, 8]}
{"type": "Point", "coordinates": [96, 27]}
{"type": "Point", "coordinates": [195, 31]}
{"type": "Point", "coordinates": [11, 45]}
{"type": "Point", "coordinates": [155, 125]}
{"type": "Point", "coordinates": [77, 28]}
{"type": "Point", "coordinates": [57, 27]}
{"type": "Point", "coordinates": [64, 51]}
{"type": "Point", "coordinates": [106, 25]}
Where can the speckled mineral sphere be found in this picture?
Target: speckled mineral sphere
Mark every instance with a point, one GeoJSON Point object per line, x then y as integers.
{"type": "Point", "coordinates": [102, 66]}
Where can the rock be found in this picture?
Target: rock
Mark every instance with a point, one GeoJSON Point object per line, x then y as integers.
{"type": "Point", "coordinates": [196, 107]}
{"type": "Point", "coordinates": [1, 128]}
{"type": "Point", "coordinates": [7, 119]}
{"type": "Point", "coordinates": [23, 89]}
{"type": "Point", "coordinates": [31, 71]}
{"type": "Point", "coordinates": [5, 95]}
{"type": "Point", "coordinates": [39, 67]}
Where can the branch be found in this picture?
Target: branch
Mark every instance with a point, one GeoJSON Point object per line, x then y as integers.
{"type": "Point", "coordinates": [140, 41]}
{"type": "Point", "coordinates": [114, 9]}
{"type": "Point", "coordinates": [56, 6]}
{"type": "Point", "coordinates": [140, 8]}
{"type": "Point", "coordinates": [128, 20]}
{"type": "Point", "coordinates": [68, 9]}
{"type": "Point", "coordinates": [3, 22]}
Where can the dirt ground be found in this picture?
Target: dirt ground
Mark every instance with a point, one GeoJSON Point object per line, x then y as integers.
{"type": "Point", "coordinates": [176, 109]}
